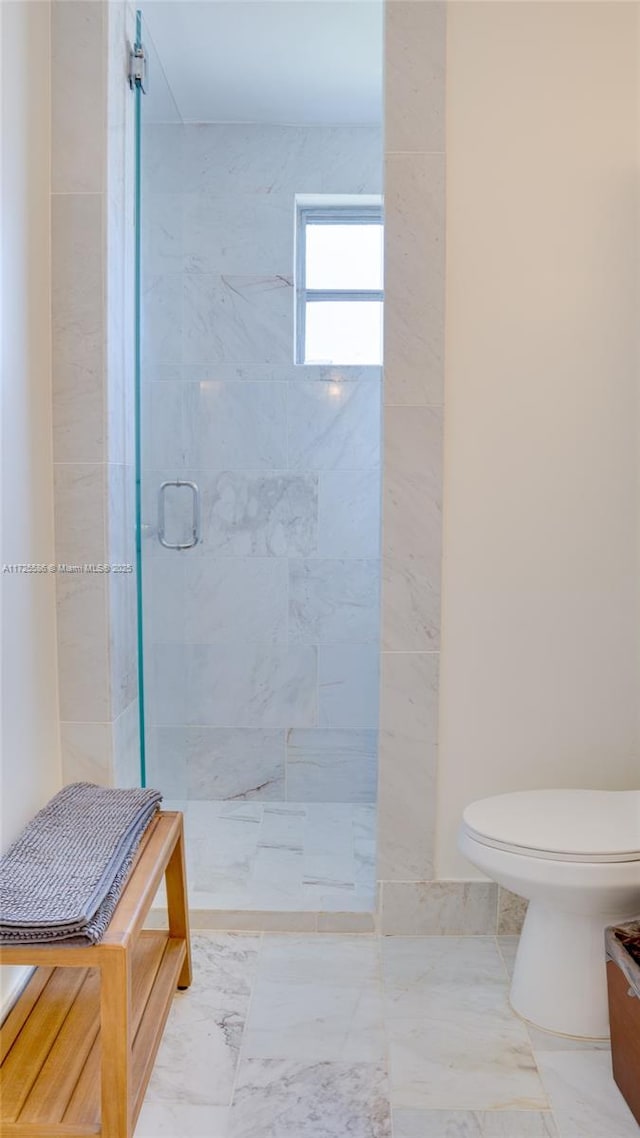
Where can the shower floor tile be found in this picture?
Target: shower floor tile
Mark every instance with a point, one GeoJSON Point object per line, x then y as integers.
{"type": "Point", "coordinates": [280, 856]}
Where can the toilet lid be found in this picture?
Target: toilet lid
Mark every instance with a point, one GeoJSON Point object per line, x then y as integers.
{"type": "Point", "coordinates": [584, 825]}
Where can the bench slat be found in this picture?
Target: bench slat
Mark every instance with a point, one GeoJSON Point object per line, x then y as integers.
{"type": "Point", "coordinates": [53, 1051]}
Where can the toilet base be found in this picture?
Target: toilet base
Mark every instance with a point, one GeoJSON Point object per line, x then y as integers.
{"type": "Point", "coordinates": [560, 980]}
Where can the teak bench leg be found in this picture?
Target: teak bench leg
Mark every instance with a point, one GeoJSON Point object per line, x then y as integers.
{"type": "Point", "coordinates": [115, 1025]}
{"type": "Point", "coordinates": [177, 904]}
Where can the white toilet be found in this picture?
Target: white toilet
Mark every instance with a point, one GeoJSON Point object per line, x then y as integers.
{"type": "Point", "coordinates": [575, 855]}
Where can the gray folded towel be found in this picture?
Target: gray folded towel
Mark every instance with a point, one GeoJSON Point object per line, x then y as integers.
{"type": "Point", "coordinates": [62, 877]}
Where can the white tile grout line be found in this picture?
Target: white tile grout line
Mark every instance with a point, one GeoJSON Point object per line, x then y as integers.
{"type": "Point", "coordinates": [385, 1031]}
{"type": "Point", "coordinates": [241, 1049]}
{"type": "Point", "coordinates": [549, 1108]}
{"type": "Point", "coordinates": [501, 955]}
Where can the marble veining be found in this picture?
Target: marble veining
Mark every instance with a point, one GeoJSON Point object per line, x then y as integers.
{"type": "Point", "coordinates": [583, 1095]}
{"type": "Point", "coordinates": [238, 234]}
{"type": "Point", "coordinates": [349, 514]}
{"type": "Point", "coordinates": [333, 602]}
{"type": "Point", "coordinates": [236, 319]}
{"type": "Point", "coordinates": [232, 763]}
{"type": "Point", "coordinates": [232, 426]}
{"type": "Point", "coordinates": [251, 158]}
{"type": "Point", "coordinates": [235, 600]}
{"type": "Point", "coordinates": [166, 1119]}
{"type": "Point", "coordinates": [287, 459]}
{"type": "Point", "coordinates": [262, 854]}
{"type": "Point", "coordinates": [348, 681]}
{"type": "Point", "coordinates": [473, 1124]}
{"type": "Point", "coordinates": [451, 1030]}
{"type": "Point", "coordinates": [437, 908]}
{"type": "Point", "coordinates": [300, 1036]}
{"type": "Point", "coordinates": [334, 426]}
{"type": "Point", "coordinates": [198, 1056]}
{"type": "Point", "coordinates": [250, 685]}
{"type": "Point", "coordinates": [332, 765]}
{"type": "Point", "coordinates": [274, 514]}
{"type": "Point", "coordinates": [287, 1098]}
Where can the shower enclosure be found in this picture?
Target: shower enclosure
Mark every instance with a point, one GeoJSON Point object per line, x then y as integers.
{"type": "Point", "coordinates": [259, 234]}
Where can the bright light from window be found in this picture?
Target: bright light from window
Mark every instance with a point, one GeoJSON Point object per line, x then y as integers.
{"type": "Point", "coordinates": [339, 285]}
{"type": "Point", "coordinates": [344, 257]}
{"type": "Point", "coordinates": [343, 332]}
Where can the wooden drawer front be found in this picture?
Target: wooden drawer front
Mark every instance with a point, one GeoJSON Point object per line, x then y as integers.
{"type": "Point", "coordinates": [624, 1013]}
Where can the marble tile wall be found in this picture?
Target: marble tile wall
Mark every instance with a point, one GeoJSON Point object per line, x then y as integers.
{"type": "Point", "coordinates": [262, 642]}
{"type": "Point", "coordinates": [91, 206]}
{"type": "Point", "coordinates": [219, 370]}
{"type": "Point", "coordinates": [411, 900]}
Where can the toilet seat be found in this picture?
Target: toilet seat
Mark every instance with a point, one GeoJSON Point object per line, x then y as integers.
{"type": "Point", "coordinates": [594, 826]}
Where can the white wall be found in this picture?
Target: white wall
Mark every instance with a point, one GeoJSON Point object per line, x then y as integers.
{"type": "Point", "coordinates": [30, 751]}
{"type": "Point", "coordinates": [540, 592]}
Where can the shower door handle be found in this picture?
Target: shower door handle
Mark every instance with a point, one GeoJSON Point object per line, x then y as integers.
{"type": "Point", "coordinates": [195, 506]}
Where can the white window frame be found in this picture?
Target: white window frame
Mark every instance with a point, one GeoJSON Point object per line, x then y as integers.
{"type": "Point", "coordinates": [352, 212]}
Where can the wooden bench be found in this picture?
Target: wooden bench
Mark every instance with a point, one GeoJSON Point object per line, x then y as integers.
{"type": "Point", "coordinates": [78, 1047]}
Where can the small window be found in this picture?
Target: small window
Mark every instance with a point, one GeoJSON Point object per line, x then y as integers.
{"type": "Point", "coordinates": [339, 284]}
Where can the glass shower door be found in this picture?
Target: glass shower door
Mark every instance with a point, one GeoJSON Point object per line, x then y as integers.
{"type": "Point", "coordinates": [259, 506]}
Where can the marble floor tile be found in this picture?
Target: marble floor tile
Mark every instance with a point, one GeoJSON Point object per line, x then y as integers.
{"type": "Point", "coordinates": [414, 966]}
{"type": "Point", "coordinates": [170, 1119]}
{"type": "Point", "coordinates": [280, 856]}
{"type": "Point", "coordinates": [364, 860]}
{"type": "Point", "coordinates": [283, 1036]}
{"type": "Point", "coordinates": [317, 1000]}
{"type": "Point", "coordinates": [221, 849]}
{"type": "Point", "coordinates": [211, 868]}
{"type": "Point", "coordinates": [585, 1100]}
{"type": "Point", "coordinates": [288, 1099]}
{"type": "Point", "coordinates": [198, 1056]}
{"type": "Point", "coordinates": [197, 1060]}
{"type": "Point", "coordinates": [473, 1124]}
{"type": "Point", "coordinates": [276, 879]}
{"type": "Point", "coordinates": [332, 871]}
{"type": "Point", "coordinates": [283, 827]}
{"type": "Point", "coordinates": [316, 1022]}
{"type": "Point", "coordinates": [508, 946]}
{"type": "Point", "coordinates": [476, 1062]}
{"type": "Point", "coordinates": [454, 1042]}
{"type": "Point", "coordinates": [278, 866]}
{"type": "Point", "coordinates": [364, 821]}
{"type": "Point", "coordinates": [338, 960]}
{"type": "Point", "coordinates": [278, 899]}
{"type": "Point", "coordinates": [547, 1041]}
{"type": "Point", "coordinates": [329, 828]}
{"type": "Point", "coordinates": [206, 819]}
{"type": "Point", "coordinates": [321, 899]}
{"type": "Point", "coordinates": [224, 963]}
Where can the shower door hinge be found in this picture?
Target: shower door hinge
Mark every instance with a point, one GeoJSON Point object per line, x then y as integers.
{"type": "Point", "coordinates": [138, 68]}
